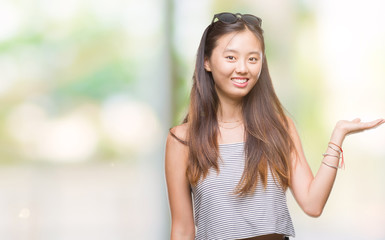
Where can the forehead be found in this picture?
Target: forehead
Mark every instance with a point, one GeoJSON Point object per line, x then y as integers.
{"type": "Point", "coordinates": [239, 41]}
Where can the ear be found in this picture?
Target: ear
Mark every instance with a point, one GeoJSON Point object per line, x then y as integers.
{"type": "Point", "coordinates": [207, 65]}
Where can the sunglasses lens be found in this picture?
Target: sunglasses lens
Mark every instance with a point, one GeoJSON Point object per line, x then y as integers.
{"type": "Point", "coordinates": [252, 19]}
{"type": "Point", "coordinates": [227, 18]}
{"type": "Point", "coordinates": [233, 18]}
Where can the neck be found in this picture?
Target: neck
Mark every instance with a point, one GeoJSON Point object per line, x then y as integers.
{"type": "Point", "coordinates": [229, 111]}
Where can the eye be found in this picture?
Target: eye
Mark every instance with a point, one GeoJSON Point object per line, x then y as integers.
{"type": "Point", "coordinates": [231, 58]}
{"type": "Point", "coordinates": [253, 59]}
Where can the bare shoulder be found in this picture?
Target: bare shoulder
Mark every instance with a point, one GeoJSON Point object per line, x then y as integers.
{"type": "Point", "coordinates": [176, 147]}
{"type": "Point", "coordinates": [292, 130]}
{"type": "Point", "coordinates": [180, 131]}
{"type": "Point", "coordinates": [291, 125]}
{"type": "Point", "coordinates": [178, 134]}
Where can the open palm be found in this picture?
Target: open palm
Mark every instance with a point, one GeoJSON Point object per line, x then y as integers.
{"type": "Point", "coordinates": [355, 126]}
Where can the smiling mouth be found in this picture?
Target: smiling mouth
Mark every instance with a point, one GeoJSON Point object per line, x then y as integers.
{"type": "Point", "coordinates": [240, 80]}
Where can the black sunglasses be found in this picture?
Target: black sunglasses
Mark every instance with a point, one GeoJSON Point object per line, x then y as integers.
{"type": "Point", "coordinates": [230, 18]}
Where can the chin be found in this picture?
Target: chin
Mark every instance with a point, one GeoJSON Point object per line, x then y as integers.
{"type": "Point", "coordinates": [239, 96]}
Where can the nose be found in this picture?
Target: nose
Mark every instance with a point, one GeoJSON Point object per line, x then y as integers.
{"type": "Point", "coordinates": [241, 67]}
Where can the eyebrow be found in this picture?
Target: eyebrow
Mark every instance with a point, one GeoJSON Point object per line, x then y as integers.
{"type": "Point", "coordinates": [235, 51]}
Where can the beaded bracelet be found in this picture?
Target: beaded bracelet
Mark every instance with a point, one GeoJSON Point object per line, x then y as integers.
{"type": "Point", "coordinates": [330, 165]}
{"type": "Point", "coordinates": [338, 151]}
{"type": "Point", "coordinates": [342, 165]}
{"type": "Point", "coordinates": [331, 155]}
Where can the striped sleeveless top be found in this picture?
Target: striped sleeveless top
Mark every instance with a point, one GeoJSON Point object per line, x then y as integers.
{"type": "Point", "coordinates": [219, 214]}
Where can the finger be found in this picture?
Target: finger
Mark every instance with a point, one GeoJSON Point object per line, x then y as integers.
{"type": "Point", "coordinates": [357, 120]}
{"type": "Point", "coordinates": [375, 123]}
{"type": "Point", "coordinates": [381, 121]}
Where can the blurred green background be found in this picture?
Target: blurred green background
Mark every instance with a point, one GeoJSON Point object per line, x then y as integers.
{"type": "Point", "coordinates": [89, 89]}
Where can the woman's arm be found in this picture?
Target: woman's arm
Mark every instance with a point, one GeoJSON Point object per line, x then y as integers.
{"type": "Point", "coordinates": [311, 192]}
{"type": "Point", "coordinates": [182, 221]}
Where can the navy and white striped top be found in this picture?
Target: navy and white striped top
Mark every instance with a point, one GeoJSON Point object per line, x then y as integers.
{"type": "Point", "coordinates": [220, 214]}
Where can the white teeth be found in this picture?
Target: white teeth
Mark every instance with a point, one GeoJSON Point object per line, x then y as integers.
{"type": "Point", "coordinates": [240, 80]}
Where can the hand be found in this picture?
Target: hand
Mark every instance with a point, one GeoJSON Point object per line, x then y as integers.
{"type": "Point", "coordinates": [355, 126]}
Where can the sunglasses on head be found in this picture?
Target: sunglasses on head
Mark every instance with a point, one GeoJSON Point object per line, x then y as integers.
{"type": "Point", "coordinates": [230, 18]}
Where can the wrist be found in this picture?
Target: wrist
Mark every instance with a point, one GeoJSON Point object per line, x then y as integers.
{"type": "Point", "coordinates": [338, 135]}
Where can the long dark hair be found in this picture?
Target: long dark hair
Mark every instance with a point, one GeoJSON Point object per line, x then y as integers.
{"type": "Point", "coordinates": [268, 143]}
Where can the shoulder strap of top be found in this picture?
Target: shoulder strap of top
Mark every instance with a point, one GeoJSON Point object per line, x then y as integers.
{"type": "Point", "coordinates": [179, 140]}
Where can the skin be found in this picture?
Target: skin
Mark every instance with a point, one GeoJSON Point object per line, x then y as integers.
{"type": "Point", "coordinates": [230, 61]}
{"type": "Point", "coordinates": [236, 55]}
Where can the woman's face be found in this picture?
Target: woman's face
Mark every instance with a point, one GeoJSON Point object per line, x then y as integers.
{"type": "Point", "coordinates": [235, 64]}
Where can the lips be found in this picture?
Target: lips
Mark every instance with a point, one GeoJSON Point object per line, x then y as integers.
{"type": "Point", "coordinates": [240, 82]}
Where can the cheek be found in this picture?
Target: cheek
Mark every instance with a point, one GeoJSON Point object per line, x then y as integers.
{"type": "Point", "coordinates": [223, 70]}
